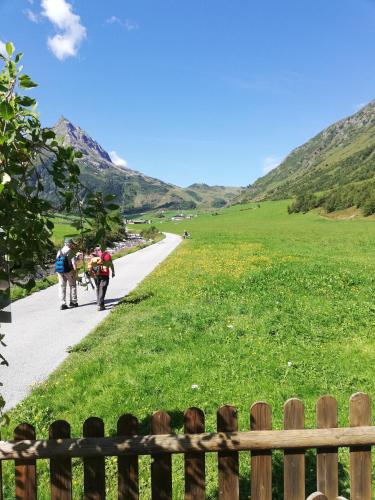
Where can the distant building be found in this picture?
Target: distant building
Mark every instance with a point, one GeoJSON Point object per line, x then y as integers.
{"type": "Point", "coordinates": [181, 217]}
{"type": "Point", "coordinates": [138, 221]}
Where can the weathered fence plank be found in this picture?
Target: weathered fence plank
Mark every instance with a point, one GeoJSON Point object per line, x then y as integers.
{"type": "Point", "coordinates": [127, 466]}
{"type": "Point", "coordinates": [25, 469]}
{"type": "Point", "coordinates": [327, 458]}
{"type": "Point", "coordinates": [94, 468]}
{"type": "Point", "coordinates": [60, 468]}
{"type": "Point", "coordinates": [207, 442]}
{"type": "Point", "coordinates": [294, 460]}
{"type": "Point", "coordinates": [194, 461]}
{"type": "Point", "coordinates": [161, 464]}
{"type": "Point", "coordinates": [261, 460]}
{"type": "Point", "coordinates": [360, 457]}
{"type": "Point", "coordinates": [228, 460]}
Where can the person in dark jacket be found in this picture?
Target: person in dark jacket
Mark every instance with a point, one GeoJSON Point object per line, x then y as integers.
{"type": "Point", "coordinates": [100, 266]}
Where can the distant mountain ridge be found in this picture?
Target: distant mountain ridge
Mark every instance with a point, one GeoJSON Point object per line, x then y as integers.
{"type": "Point", "coordinates": [342, 154]}
{"type": "Point", "coordinates": [134, 191]}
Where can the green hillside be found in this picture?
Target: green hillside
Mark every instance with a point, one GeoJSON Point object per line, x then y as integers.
{"type": "Point", "coordinates": [335, 159]}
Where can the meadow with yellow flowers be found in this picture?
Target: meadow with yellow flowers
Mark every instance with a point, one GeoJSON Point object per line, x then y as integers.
{"type": "Point", "coordinates": [256, 305]}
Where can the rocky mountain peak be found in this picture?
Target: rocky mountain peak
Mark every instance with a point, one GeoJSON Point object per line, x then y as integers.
{"type": "Point", "coordinates": [79, 139]}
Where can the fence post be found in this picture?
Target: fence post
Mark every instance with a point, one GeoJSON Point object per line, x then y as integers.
{"type": "Point", "coordinates": [294, 460]}
{"type": "Point", "coordinates": [360, 456]}
{"type": "Point", "coordinates": [228, 460]}
{"type": "Point", "coordinates": [25, 470]}
{"type": "Point", "coordinates": [60, 468]}
{"type": "Point", "coordinates": [327, 459]}
{"type": "Point", "coordinates": [94, 468]}
{"type": "Point", "coordinates": [161, 464]}
{"type": "Point", "coordinates": [194, 462]}
{"type": "Point", "coordinates": [127, 466]}
{"type": "Point", "coordinates": [261, 460]}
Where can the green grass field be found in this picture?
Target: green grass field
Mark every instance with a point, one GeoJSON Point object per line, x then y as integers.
{"type": "Point", "coordinates": [257, 305]}
{"type": "Point", "coordinates": [63, 228]}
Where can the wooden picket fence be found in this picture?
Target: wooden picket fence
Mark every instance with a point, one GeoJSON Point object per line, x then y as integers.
{"type": "Point", "coordinates": [227, 442]}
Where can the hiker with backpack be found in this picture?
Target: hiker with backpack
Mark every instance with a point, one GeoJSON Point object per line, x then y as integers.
{"type": "Point", "coordinates": [99, 267]}
{"type": "Point", "coordinates": [66, 269]}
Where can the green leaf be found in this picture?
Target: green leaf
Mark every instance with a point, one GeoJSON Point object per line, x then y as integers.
{"type": "Point", "coordinates": [9, 48]}
{"type": "Point", "coordinates": [112, 206]}
{"type": "Point", "coordinates": [12, 69]}
{"type": "Point", "coordinates": [25, 101]}
{"type": "Point", "coordinates": [26, 82]}
{"type": "Point", "coordinates": [6, 110]}
{"type": "Point", "coordinates": [10, 136]}
{"type": "Point", "coordinates": [109, 197]}
{"type": "Point", "coordinates": [18, 57]}
{"type": "Point", "coordinates": [48, 134]}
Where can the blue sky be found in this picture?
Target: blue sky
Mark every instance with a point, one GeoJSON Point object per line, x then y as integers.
{"type": "Point", "coordinates": [211, 91]}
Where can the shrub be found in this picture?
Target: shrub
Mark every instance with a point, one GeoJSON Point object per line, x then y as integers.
{"type": "Point", "coordinates": [368, 207]}
{"type": "Point", "coordinates": [150, 233]}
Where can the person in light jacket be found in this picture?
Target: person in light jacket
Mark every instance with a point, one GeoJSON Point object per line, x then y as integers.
{"type": "Point", "coordinates": [66, 268]}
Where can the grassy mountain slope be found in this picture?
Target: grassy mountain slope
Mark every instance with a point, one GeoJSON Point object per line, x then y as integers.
{"type": "Point", "coordinates": [213, 196]}
{"type": "Point", "coordinates": [339, 155]}
{"type": "Point", "coordinates": [134, 190]}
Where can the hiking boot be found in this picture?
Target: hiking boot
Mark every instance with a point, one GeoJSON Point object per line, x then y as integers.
{"type": "Point", "coordinates": [63, 307]}
{"type": "Point", "coordinates": [73, 304]}
{"type": "Point", "coordinates": [101, 308]}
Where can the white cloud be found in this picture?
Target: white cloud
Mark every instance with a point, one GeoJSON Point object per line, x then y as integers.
{"type": "Point", "coordinates": [60, 14]}
{"type": "Point", "coordinates": [269, 163]}
{"type": "Point", "coordinates": [32, 16]}
{"type": "Point", "coordinates": [128, 24]}
{"type": "Point", "coordinates": [117, 160]}
{"type": "Point", "coordinates": [112, 20]}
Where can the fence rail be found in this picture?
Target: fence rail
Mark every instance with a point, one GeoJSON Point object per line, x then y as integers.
{"type": "Point", "coordinates": [227, 442]}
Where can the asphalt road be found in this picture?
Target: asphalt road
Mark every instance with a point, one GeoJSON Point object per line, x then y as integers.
{"type": "Point", "coordinates": [40, 334]}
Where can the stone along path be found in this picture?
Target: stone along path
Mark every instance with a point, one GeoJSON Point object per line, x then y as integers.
{"type": "Point", "coordinates": [40, 334]}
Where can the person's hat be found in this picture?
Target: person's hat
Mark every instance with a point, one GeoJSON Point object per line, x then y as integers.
{"type": "Point", "coordinates": [69, 241]}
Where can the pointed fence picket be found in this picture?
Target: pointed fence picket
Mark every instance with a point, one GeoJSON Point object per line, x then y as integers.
{"type": "Point", "coordinates": [294, 460]}
{"type": "Point", "coordinates": [127, 466]}
{"type": "Point", "coordinates": [261, 460]}
{"type": "Point", "coordinates": [195, 484]}
{"type": "Point", "coordinates": [60, 469]}
{"type": "Point", "coordinates": [227, 442]}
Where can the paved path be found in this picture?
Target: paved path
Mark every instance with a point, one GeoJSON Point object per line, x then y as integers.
{"type": "Point", "coordinates": [40, 333]}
